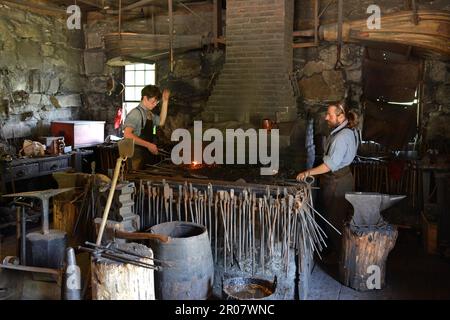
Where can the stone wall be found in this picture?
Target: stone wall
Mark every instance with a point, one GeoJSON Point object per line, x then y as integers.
{"type": "Point", "coordinates": [190, 83]}
{"type": "Point", "coordinates": [319, 83]}
{"type": "Point", "coordinates": [436, 100]}
{"type": "Point", "coordinates": [40, 73]}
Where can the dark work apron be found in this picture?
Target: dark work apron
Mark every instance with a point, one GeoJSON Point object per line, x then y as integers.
{"type": "Point", "coordinates": [337, 210]}
{"type": "Point", "coordinates": [141, 155]}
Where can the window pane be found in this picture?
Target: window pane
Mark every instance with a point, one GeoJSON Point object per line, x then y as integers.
{"type": "Point", "coordinates": [140, 67]}
{"type": "Point", "coordinates": [129, 78]}
{"type": "Point", "coordinates": [140, 78]}
{"type": "Point", "coordinates": [129, 94]}
{"type": "Point", "coordinates": [138, 93]}
{"type": "Point", "coordinates": [129, 67]}
{"type": "Point", "coordinates": [128, 106]}
{"type": "Point", "coordinates": [150, 67]}
{"type": "Point", "coordinates": [150, 77]}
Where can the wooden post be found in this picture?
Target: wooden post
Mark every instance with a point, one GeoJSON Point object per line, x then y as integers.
{"type": "Point", "coordinates": [316, 22]}
{"type": "Point", "coordinates": [364, 248]}
{"type": "Point", "coordinates": [113, 280]}
{"type": "Point", "coordinates": [171, 34]}
{"type": "Point", "coordinates": [153, 22]}
{"type": "Point", "coordinates": [217, 21]}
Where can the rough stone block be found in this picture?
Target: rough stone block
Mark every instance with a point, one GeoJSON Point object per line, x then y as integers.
{"type": "Point", "coordinates": [94, 62]}
{"type": "Point", "coordinates": [436, 70]}
{"type": "Point", "coordinates": [71, 82]}
{"type": "Point", "coordinates": [187, 67]}
{"type": "Point", "coordinates": [335, 81]}
{"type": "Point", "coordinates": [44, 83]}
{"type": "Point", "coordinates": [53, 86]}
{"type": "Point", "coordinates": [34, 99]}
{"type": "Point", "coordinates": [29, 53]}
{"type": "Point", "coordinates": [314, 67]}
{"type": "Point", "coordinates": [315, 88]}
{"type": "Point", "coordinates": [354, 75]}
{"type": "Point", "coordinates": [35, 78]}
{"type": "Point", "coordinates": [26, 30]}
{"type": "Point", "coordinates": [93, 40]}
{"type": "Point", "coordinates": [47, 50]}
{"type": "Point", "coordinates": [75, 39]}
{"type": "Point", "coordinates": [16, 129]}
{"type": "Point", "coordinates": [67, 101]}
{"type": "Point", "coordinates": [97, 85]}
{"type": "Point", "coordinates": [443, 94]}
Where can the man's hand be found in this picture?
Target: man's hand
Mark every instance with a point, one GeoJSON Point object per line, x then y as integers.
{"type": "Point", "coordinates": [302, 175]}
{"type": "Point", "coordinates": [153, 148]}
{"type": "Point", "coordinates": [166, 95]}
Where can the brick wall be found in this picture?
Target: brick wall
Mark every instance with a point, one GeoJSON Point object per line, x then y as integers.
{"type": "Point", "coordinates": [254, 83]}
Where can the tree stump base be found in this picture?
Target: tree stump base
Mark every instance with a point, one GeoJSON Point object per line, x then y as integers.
{"type": "Point", "coordinates": [112, 280]}
{"type": "Point", "coordinates": [364, 255]}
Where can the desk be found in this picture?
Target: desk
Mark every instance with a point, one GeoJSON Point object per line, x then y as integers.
{"type": "Point", "coordinates": [26, 168]}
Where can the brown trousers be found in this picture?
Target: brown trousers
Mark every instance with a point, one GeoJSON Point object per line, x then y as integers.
{"type": "Point", "coordinates": [333, 205]}
{"type": "Point", "coordinates": [141, 157]}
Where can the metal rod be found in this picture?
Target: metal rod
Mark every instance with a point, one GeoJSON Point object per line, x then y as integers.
{"type": "Point", "coordinates": [126, 252]}
{"type": "Point", "coordinates": [120, 259]}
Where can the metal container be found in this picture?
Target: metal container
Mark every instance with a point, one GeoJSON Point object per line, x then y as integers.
{"type": "Point", "coordinates": [241, 288]}
{"type": "Point", "coordinates": [188, 251]}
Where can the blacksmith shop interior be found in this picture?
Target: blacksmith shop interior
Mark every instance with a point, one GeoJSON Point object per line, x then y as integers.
{"type": "Point", "coordinates": [224, 149]}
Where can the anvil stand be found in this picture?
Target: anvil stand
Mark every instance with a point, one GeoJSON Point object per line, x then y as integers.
{"type": "Point", "coordinates": [46, 248]}
{"type": "Point", "coordinates": [367, 241]}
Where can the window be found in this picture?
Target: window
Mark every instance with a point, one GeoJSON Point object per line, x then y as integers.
{"type": "Point", "coordinates": [137, 76]}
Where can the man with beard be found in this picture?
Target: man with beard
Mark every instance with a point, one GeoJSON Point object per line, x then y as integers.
{"type": "Point", "coordinates": [335, 176]}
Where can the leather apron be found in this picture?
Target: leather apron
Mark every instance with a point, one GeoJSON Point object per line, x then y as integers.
{"type": "Point", "coordinates": [141, 155]}
{"type": "Point", "coordinates": [337, 209]}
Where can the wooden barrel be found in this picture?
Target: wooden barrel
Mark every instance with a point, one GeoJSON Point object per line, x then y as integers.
{"type": "Point", "coordinates": [188, 251]}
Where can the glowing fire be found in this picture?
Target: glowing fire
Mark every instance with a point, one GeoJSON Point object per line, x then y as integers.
{"type": "Point", "coordinates": [195, 165]}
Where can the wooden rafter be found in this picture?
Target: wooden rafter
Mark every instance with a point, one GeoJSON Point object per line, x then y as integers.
{"type": "Point", "coordinates": [43, 9]}
{"type": "Point", "coordinates": [135, 5]}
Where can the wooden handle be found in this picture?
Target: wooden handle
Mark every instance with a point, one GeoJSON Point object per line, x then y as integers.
{"type": "Point", "coordinates": [140, 236]}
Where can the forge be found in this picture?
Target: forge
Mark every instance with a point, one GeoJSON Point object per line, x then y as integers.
{"type": "Point", "coordinates": [258, 226]}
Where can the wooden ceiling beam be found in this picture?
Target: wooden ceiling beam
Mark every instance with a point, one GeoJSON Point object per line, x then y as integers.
{"type": "Point", "coordinates": [35, 8]}
{"type": "Point", "coordinates": [92, 3]}
{"type": "Point", "coordinates": [138, 4]}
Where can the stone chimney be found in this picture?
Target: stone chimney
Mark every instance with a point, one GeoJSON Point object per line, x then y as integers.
{"type": "Point", "coordinates": [254, 83]}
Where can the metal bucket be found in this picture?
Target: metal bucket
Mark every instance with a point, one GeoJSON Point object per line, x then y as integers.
{"type": "Point", "coordinates": [188, 251]}
{"type": "Point", "coordinates": [241, 288]}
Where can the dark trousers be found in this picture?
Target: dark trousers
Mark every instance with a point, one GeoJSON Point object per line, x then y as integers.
{"type": "Point", "coordinates": [333, 205]}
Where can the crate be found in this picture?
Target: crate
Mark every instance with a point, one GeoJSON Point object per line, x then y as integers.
{"type": "Point", "coordinates": [429, 235]}
{"type": "Point", "coordinates": [80, 134]}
